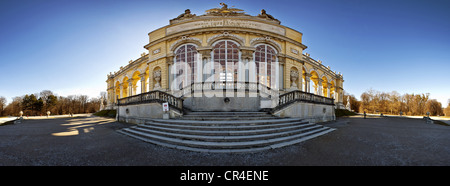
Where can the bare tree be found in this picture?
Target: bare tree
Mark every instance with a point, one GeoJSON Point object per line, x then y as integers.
{"type": "Point", "coordinates": [434, 107]}
{"type": "Point", "coordinates": [447, 110]}
{"type": "Point", "coordinates": [2, 105]}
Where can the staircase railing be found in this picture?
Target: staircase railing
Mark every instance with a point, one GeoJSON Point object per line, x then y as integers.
{"type": "Point", "coordinates": [297, 95]}
{"type": "Point", "coordinates": [153, 97]}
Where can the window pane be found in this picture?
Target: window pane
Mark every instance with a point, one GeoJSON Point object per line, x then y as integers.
{"type": "Point", "coordinates": [185, 65]}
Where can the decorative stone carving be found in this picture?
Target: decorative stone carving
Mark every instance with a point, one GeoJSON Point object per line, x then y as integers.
{"type": "Point", "coordinates": [264, 15]}
{"type": "Point", "coordinates": [348, 103]}
{"type": "Point", "coordinates": [225, 22]}
{"type": "Point", "coordinates": [157, 77]}
{"type": "Point", "coordinates": [205, 52]}
{"type": "Point", "coordinates": [224, 11]}
{"type": "Point", "coordinates": [156, 51]}
{"type": "Point", "coordinates": [294, 77]}
{"type": "Point", "coordinates": [185, 15]}
{"type": "Point", "coordinates": [247, 52]}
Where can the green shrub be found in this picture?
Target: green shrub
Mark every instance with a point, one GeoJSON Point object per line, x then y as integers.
{"type": "Point", "coordinates": [343, 112]}
{"type": "Point", "coordinates": [106, 113]}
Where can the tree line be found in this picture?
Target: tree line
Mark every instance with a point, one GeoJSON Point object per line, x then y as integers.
{"type": "Point", "coordinates": [39, 103]}
{"type": "Point", "coordinates": [377, 102]}
{"type": "Point", "coordinates": [372, 101]}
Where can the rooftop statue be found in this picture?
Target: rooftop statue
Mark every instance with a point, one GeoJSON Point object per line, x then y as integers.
{"type": "Point", "coordinates": [186, 14]}
{"type": "Point", "coordinates": [264, 15]}
{"type": "Point", "coordinates": [224, 11]}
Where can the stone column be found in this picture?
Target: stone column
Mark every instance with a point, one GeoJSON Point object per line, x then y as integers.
{"type": "Point", "coordinates": [205, 56]}
{"type": "Point", "coordinates": [199, 71]}
{"type": "Point", "coordinates": [300, 77]}
{"type": "Point", "coordinates": [143, 82]}
{"type": "Point", "coordinates": [329, 90]}
{"type": "Point", "coordinates": [307, 82]}
{"type": "Point", "coordinates": [248, 64]}
{"type": "Point", "coordinates": [320, 87]}
{"type": "Point", "coordinates": [113, 95]}
{"type": "Point", "coordinates": [130, 87]}
{"type": "Point", "coordinates": [121, 90]}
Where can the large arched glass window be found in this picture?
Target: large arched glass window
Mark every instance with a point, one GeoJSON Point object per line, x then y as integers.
{"type": "Point", "coordinates": [226, 58]}
{"type": "Point", "coordinates": [185, 65]}
{"type": "Point", "coordinates": [265, 58]}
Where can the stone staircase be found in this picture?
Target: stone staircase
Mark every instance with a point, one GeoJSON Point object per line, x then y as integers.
{"type": "Point", "coordinates": [227, 116]}
{"type": "Point", "coordinates": [226, 132]}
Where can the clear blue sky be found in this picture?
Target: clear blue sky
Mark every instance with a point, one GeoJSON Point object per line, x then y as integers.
{"type": "Point", "coordinates": [69, 46]}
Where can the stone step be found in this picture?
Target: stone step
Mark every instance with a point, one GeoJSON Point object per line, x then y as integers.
{"type": "Point", "coordinates": [226, 132]}
{"type": "Point", "coordinates": [226, 138]}
{"type": "Point", "coordinates": [225, 118]}
{"type": "Point", "coordinates": [220, 123]}
{"type": "Point", "coordinates": [227, 113]}
{"type": "Point", "coordinates": [238, 145]}
{"type": "Point", "coordinates": [223, 127]}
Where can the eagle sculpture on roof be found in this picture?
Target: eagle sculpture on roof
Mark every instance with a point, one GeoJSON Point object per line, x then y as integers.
{"type": "Point", "coordinates": [224, 10]}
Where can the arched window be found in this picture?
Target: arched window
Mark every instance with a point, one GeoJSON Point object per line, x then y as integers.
{"type": "Point", "coordinates": [226, 58]}
{"type": "Point", "coordinates": [185, 65]}
{"type": "Point", "coordinates": [265, 55]}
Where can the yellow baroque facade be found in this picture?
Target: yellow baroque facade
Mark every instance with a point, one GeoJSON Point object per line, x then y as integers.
{"type": "Point", "coordinates": [225, 45]}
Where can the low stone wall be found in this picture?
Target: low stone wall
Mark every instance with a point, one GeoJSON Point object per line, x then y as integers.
{"type": "Point", "coordinates": [224, 104]}
{"type": "Point", "coordinates": [138, 113]}
{"type": "Point", "coordinates": [311, 112]}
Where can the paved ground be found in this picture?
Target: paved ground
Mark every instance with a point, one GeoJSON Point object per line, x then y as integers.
{"type": "Point", "coordinates": [94, 141]}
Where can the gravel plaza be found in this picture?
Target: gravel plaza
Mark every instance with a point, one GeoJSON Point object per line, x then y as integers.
{"type": "Point", "coordinates": [94, 141]}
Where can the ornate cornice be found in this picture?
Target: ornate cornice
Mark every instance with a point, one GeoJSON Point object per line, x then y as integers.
{"type": "Point", "coordinates": [258, 40]}
{"type": "Point", "coordinates": [229, 30]}
{"type": "Point", "coordinates": [226, 35]}
{"type": "Point", "coordinates": [185, 39]}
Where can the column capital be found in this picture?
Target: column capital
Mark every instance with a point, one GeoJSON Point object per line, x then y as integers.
{"type": "Point", "coordinates": [169, 60]}
{"type": "Point", "coordinates": [281, 59]}
{"type": "Point", "coordinates": [307, 77]}
{"type": "Point", "coordinates": [247, 52]}
{"type": "Point", "coordinates": [142, 76]}
{"type": "Point", "coordinates": [205, 51]}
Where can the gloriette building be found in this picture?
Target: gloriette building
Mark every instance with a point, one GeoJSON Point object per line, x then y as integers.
{"type": "Point", "coordinates": [225, 61]}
